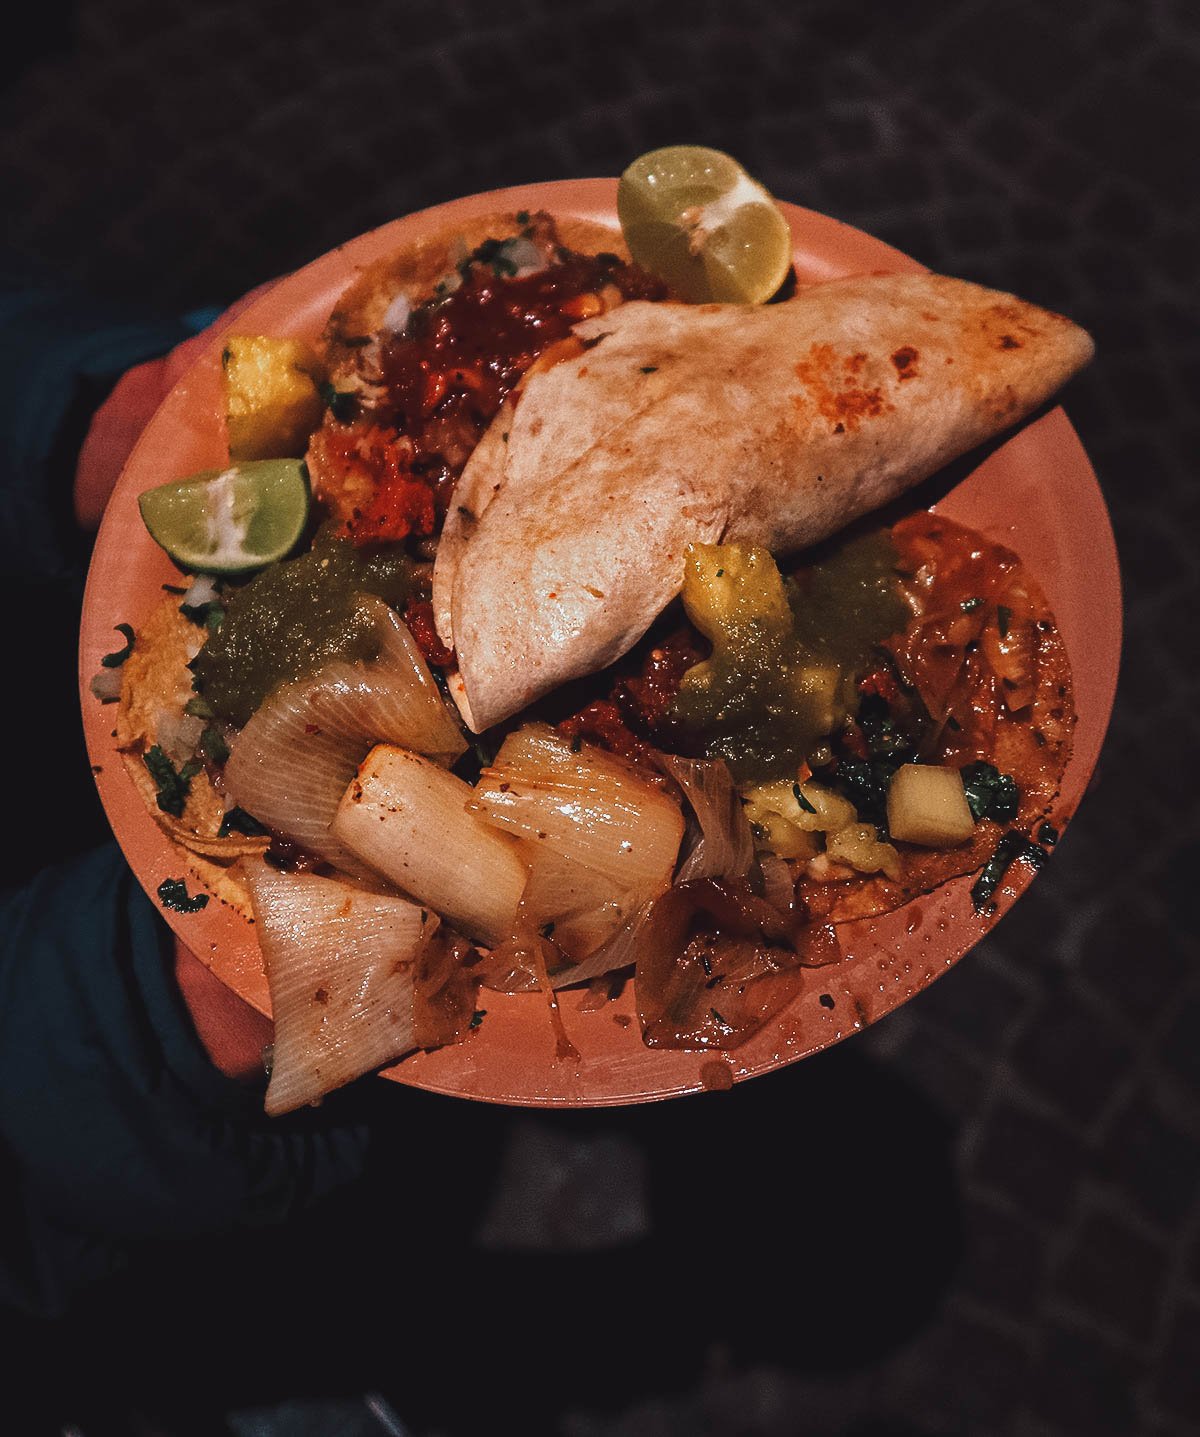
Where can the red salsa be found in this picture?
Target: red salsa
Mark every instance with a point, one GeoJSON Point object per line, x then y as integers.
{"type": "Point", "coordinates": [389, 472]}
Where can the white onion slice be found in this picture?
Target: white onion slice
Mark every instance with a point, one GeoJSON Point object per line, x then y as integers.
{"type": "Point", "coordinates": [619, 950]}
{"type": "Point", "coordinates": [408, 819]}
{"type": "Point", "coordinates": [574, 905]}
{"type": "Point", "coordinates": [340, 965]}
{"type": "Point", "coordinates": [725, 848]}
{"type": "Point", "coordinates": [601, 838]}
{"type": "Point", "coordinates": [778, 885]}
{"type": "Point", "coordinates": [290, 765]}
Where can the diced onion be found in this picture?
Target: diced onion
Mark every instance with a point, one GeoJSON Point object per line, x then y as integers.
{"type": "Point", "coordinates": [525, 255]}
{"type": "Point", "coordinates": [291, 763]}
{"type": "Point", "coordinates": [408, 819]}
{"type": "Point", "coordinates": [203, 589]}
{"type": "Point", "coordinates": [340, 966]}
{"type": "Point", "coordinates": [106, 685]}
{"type": "Point", "coordinates": [395, 318]}
{"type": "Point", "coordinates": [178, 735]}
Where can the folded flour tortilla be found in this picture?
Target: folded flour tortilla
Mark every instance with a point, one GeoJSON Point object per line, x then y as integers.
{"type": "Point", "coordinates": [679, 423]}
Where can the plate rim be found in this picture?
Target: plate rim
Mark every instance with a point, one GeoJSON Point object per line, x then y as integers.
{"type": "Point", "coordinates": [227, 932]}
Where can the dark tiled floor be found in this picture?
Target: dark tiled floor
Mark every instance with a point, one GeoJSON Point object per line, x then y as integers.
{"type": "Point", "coordinates": [982, 1216]}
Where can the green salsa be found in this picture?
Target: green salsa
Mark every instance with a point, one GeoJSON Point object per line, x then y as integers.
{"type": "Point", "coordinates": [294, 617]}
{"type": "Point", "coordinates": [787, 654]}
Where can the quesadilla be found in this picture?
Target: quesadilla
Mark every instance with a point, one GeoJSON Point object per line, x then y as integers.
{"type": "Point", "coordinates": [681, 424]}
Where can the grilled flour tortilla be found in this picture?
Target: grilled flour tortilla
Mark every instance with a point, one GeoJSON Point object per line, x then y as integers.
{"type": "Point", "coordinates": [156, 686]}
{"type": "Point", "coordinates": [679, 424]}
{"type": "Point", "coordinates": [669, 424]}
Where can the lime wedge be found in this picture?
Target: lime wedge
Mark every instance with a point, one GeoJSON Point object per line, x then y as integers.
{"type": "Point", "coordinates": [229, 521]}
{"type": "Point", "coordinates": [695, 218]}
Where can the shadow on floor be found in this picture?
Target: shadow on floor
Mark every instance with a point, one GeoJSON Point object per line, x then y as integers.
{"type": "Point", "coordinates": [807, 1220]}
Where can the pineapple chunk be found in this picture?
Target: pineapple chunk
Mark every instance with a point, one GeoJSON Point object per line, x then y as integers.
{"type": "Point", "coordinates": [926, 804]}
{"type": "Point", "coordinates": [272, 402]}
{"type": "Point", "coordinates": [778, 835]}
{"type": "Point", "coordinates": [729, 589]}
{"type": "Point", "coordinates": [808, 805]}
{"type": "Point", "coordinates": [859, 846]}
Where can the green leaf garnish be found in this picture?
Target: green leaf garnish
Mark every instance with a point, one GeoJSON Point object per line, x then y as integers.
{"type": "Point", "coordinates": [172, 893]}
{"type": "Point", "coordinates": [172, 785]}
{"type": "Point", "coordinates": [1013, 848]}
{"type": "Point", "coordinates": [118, 656]}
{"type": "Point", "coordinates": [801, 800]}
{"type": "Point", "coordinates": [213, 745]}
{"type": "Point", "coordinates": [990, 793]}
{"type": "Point", "coordinates": [341, 403]}
{"type": "Point", "coordinates": [237, 820]}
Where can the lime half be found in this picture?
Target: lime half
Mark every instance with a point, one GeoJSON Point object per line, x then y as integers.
{"type": "Point", "coordinates": [229, 521]}
{"type": "Point", "coordinates": [695, 218]}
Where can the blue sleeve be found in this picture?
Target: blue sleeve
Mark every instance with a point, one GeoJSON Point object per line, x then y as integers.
{"type": "Point", "coordinates": [118, 1128]}
{"type": "Point", "coordinates": [60, 354]}
{"type": "Point", "coordinates": [115, 1128]}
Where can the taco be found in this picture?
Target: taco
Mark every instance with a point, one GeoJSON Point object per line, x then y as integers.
{"type": "Point", "coordinates": [622, 537]}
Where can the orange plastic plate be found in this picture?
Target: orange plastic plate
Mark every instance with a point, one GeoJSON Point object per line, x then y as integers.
{"type": "Point", "coordinates": [1037, 494]}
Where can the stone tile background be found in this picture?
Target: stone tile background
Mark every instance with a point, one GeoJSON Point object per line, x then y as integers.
{"type": "Point", "coordinates": [981, 1216]}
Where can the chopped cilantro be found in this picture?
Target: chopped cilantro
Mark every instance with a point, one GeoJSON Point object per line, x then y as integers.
{"type": "Point", "coordinates": [341, 403]}
{"type": "Point", "coordinates": [865, 783]}
{"type": "Point", "coordinates": [1014, 847]}
{"type": "Point", "coordinates": [884, 739]}
{"type": "Point", "coordinates": [1048, 835]}
{"type": "Point", "coordinates": [118, 656]}
{"type": "Point", "coordinates": [801, 800]}
{"type": "Point", "coordinates": [494, 254]}
{"type": "Point", "coordinates": [237, 820]}
{"type": "Point", "coordinates": [172, 893]}
{"type": "Point", "coordinates": [478, 1016]}
{"type": "Point", "coordinates": [990, 793]}
{"type": "Point", "coordinates": [172, 784]}
{"type": "Point", "coordinates": [213, 745]}
{"type": "Point", "coordinates": [200, 708]}
{"type": "Point", "coordinates": [649, 368]}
